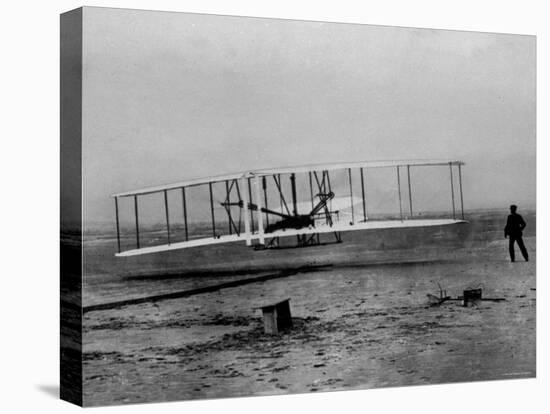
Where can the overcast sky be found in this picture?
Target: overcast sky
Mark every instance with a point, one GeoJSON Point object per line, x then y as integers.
{"type": "Point", "coordinates": [172, 96]}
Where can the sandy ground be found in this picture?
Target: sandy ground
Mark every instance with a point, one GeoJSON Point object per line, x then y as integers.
{"type": "Point", "coordinates": [356, 325]}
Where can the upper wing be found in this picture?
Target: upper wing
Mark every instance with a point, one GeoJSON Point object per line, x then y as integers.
{"type": "Point", "coordinates": [289, 170]}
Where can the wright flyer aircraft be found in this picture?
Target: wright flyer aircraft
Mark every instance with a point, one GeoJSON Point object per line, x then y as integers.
{"type": "Point", "coordinates": [303, 203]}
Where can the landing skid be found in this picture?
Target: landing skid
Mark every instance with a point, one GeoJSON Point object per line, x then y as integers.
{"type": "Point", "coordinates": [302, 240]}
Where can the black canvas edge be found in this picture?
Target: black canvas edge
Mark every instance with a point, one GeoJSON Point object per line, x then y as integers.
{"type": "Point", "coordinates": [71, 206]}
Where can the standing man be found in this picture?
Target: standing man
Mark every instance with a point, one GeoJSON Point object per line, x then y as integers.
{"type": "Point", "coordinates": [514, 230]}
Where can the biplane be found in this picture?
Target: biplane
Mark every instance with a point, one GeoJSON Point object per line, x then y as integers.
{"type": "Point", "coordinates": [261, 221]}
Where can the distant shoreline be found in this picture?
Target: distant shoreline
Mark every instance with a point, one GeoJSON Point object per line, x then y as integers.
{"type": "Point", "coordinates": [108, 227]}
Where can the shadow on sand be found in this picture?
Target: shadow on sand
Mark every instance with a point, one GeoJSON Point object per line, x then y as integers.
{"type": "Point", "coordinates": [49, 389]}
{"type": "Point", "coordinates": [205, 289]}
{"type": "Point", "coordinates": [193, 273]}
{"type": "Point", "coordinates": [275, 274]}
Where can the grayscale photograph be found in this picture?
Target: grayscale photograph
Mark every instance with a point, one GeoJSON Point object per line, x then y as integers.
{"type": "Point", "coordinates": [255, 206]}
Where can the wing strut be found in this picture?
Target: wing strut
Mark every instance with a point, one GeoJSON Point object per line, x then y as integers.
{"type": "Point", "coordinates": [227, 199]}
{"type": "Point", "coordinates": [363, 196]}
{"type": "Point", "coordinates": [250, 198]}
{"type": "Point", "coordinates": [167, 215]}
{"type": "Point", "coordinates": [452, 189]}
{"type": "Point", "coordinates": [460, 186]}
{"type": "Point", "coordinates": [117, 225]}
{"type": "Point", "coordinates": [351, 196]}
{"type": "Point", "coordinates": [321, 185]}
{"type": "Point", "coordinates": [212, 210]}
{"type": "Point", "coordinates": [240, 199]}
{"type": "Point", "coordinates": [264, 186]}
{"type": "Point", "coordinates": [410, 193]}
{"type": "Point", "coordinates": [311, 189]}
{"type": "Point", "coordinates": [283, 201]}
{"type": "Point", "coordinates": [293, 187]}
{"type": "Point", "coordinates": [399, 191]}
{"type": "Point", "coordinates": [259, 214]}
{"type": "Point", "coordinates": [184, 205]}
{"type": "Point", "coordinates": [137, 221]}
{"type": "Point", "coordinates": [227, 205]}
{"type": "Point", "coordinates": [246, 216]}
{"type": "Point", "coordinates": [329, 190]}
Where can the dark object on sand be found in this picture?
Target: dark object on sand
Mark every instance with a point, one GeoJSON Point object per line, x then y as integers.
{"type": "Point", "coordinates": [436, 301]}
{"type": "Point", "coordinates": [276, 316]}
{"type": "Point", "coordinates": [471, 297]}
